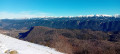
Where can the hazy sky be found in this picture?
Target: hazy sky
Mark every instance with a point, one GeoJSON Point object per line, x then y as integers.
{"type": "Point", "coordinates": [31, 8]}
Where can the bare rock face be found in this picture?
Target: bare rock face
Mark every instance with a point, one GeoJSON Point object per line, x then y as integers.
{"type": "Point", "coordinates": [11, 52]}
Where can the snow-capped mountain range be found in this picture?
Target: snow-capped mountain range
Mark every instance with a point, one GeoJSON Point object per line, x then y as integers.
{"type": "Point", "coordinates": [9, 45]}
{"type": "Point", "coordinates": [97, 15]}
{"type": "Point", "coordinates": [80, 16]}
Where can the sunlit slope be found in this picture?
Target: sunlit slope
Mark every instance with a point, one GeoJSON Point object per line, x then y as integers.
{"type": "Point", "coordinates": [22, 47]}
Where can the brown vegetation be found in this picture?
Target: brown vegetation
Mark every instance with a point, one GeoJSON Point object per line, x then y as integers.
{"type": "Point", "coordinates": [13, 33]}
{"type": "Point", "coordinates": [75, 41]}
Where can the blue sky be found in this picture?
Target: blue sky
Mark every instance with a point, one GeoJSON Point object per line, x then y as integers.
{"type": "Point", "coordinates": [17, 8]}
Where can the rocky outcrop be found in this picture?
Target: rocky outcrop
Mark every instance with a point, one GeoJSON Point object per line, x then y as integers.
{"type": "Point", "coordinates": [11, 51]}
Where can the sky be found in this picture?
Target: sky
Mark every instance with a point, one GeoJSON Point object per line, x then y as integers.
{"type": "Point", "coordinates": [34, 8]}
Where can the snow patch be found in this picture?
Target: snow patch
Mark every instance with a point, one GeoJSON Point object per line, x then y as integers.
{"type": "Point", "coordinates": [23, 47]}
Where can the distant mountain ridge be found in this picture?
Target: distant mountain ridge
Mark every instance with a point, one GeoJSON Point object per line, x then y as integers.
{"type": "Point", "coordinates": [80, 16]}
{"type": "Point", "coordinates": [93, 23]}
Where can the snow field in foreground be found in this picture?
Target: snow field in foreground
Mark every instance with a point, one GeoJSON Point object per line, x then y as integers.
{"type": "Point", "coordinates": [23, 47]}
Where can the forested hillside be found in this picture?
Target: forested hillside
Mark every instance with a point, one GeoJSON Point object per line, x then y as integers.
{"type": "Point", "coordinates": [74, 41]}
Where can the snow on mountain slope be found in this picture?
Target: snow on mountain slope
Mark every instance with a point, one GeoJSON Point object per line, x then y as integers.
{"type": "Point", "coordinates": [23, 47]}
